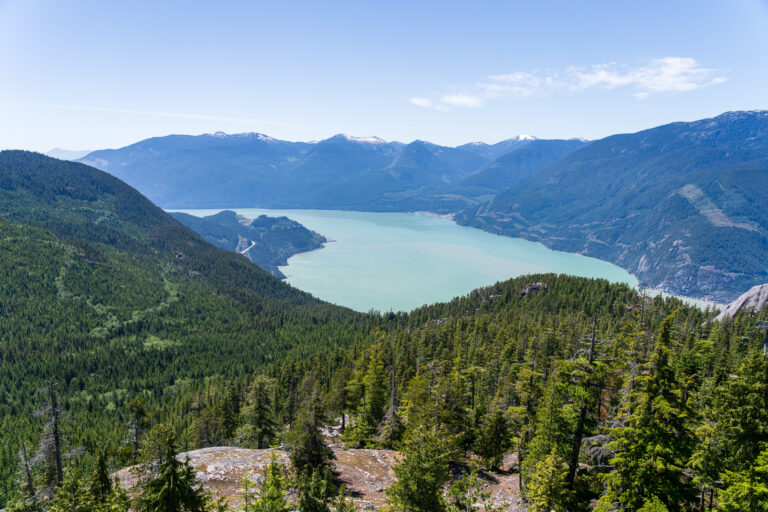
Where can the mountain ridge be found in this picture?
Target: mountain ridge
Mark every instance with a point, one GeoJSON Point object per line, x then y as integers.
{"type": "Point", "coordinates": [513, 166]}
{"type": "Point", "coordinates": [220, 170]}
{"type": "Point", "coordinates": [671, 204]}
{"type": "Point", "coordinates": [615, 199]}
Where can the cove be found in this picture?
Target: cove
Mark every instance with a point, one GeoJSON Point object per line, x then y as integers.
{"type": "Point", "coordinates": [400, 261]}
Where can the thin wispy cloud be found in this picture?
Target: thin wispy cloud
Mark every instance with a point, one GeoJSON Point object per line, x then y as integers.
{"type": "Point", "coordinates": [667, 75]}
{"type": "Point", "coordinates": [426, 102]}
{"type": "Point", "coordinates": [177, 115]}
{"type": "Point", "coordinates": [671, 74]}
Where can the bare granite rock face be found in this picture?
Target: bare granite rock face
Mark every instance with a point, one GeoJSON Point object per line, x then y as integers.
{"type": "Point", "coordinates": [754, 300]}
{"type": "Point", "coordinates": [366, 475]}
{"type": "Point", "coordinates": [220, 469]}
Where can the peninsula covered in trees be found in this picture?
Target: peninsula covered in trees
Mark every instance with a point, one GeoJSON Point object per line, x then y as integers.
{"type": "Point", "coordinates": [266, 241]}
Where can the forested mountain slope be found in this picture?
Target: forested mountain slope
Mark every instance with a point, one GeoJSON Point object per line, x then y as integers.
{"type": "Point", "coordinates": [136, 339]}
{"type": "Point", "coordinates": [680, 205]}
{"type": "Point", "coordinates": [510, 168]}
{"type": "Point", "coordinates": [558, 371]}
{"type": "Point", "coordinates": [591, 387]}
{"type": "Point", "coordinates": [266, 241]}
{"type": "Point", "coordinates": [109, 297]}
{"type": "Point", "coordinates": [341, 172]}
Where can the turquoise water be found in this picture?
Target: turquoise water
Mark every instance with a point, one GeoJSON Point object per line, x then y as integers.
{"type": "Point", "coordinates": [400, 261]}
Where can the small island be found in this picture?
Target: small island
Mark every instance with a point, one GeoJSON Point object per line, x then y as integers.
{"type": "Point", "coordinates": [266, 241]}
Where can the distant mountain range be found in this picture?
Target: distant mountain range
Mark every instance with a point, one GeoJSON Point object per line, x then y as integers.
{"type": "Point", "coordinates": [681, 206]}
{"type": "Point", "coordinates": [494, 151]}
{"type": "Point", "coordinates": [510, 168]}
{"type": "Point", "coordinates": [266, 241]}
{"type": "Point", "coordinates": [342, 172]}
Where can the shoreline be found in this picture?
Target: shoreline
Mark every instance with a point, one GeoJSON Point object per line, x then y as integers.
{"type": "Point", "coordinates": [700, 303]}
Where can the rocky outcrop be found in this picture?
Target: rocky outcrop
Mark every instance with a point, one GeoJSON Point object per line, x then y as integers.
{"type": "Point", "coordinates": [220, 469]}
{"type": "Point", "coordinates": [366, 474]}
{"type": "Point", "coordinates": [753, 300]}
{"type": "Point", "coordinates": [535, 287]}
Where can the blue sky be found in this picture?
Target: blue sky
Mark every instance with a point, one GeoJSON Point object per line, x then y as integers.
{"type": "Point", "coordinates": [89, 75]}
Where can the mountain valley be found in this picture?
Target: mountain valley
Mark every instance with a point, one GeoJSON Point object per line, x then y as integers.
{"type": "Point", "coordinates": [138, 339]}
{"type": "Point", "coordinates": [668, 204]}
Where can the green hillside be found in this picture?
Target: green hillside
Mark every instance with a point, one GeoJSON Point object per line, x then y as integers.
{"type": "Point", "coordinates": [111, 298]}
{"type": "Point", "coordinates": [135, 338]}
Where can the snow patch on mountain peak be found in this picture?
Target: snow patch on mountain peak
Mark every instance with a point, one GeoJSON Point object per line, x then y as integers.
{"type": "Point", "coordinates": [370, 140]}
{"type": "Point", "coordinates": [245, 135]}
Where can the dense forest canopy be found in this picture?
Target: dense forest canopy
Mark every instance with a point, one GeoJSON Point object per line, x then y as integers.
{"type": "Point", "coordinates": [110, 298]}
{"type": "Point", "coordinates": [126, 339]}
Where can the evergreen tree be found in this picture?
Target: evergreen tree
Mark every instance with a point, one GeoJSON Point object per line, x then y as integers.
{"type": "Point", "coordinates": [707, 462]}
{"type": "Point", "coordinates": [339, 399]}
{"type": "Point", "coordinates": [466, 494]}
{"type": "Point", "coordinates": [271, 497]}
{"type": "Point", "coordinates": [101, 484]}
{"type": "Point", "coordinates": [655, 442]}
{"type": "Point", "coordinates": [208, 427]}
{"type": "Point", "coordinates": [494, 439]}
{"type": "Point", "coordinates": [229, 409]}
{"type": "Point", "coordinates": [315, 490]}
{"type": "Point", "coordinates": [174, 488]}
{"type": "Point", "coordinates": [452, 394]}
{"type": "Point", "coordinates": [555, 419]}
{"type": "Point", "coordinates": [342, 503]}
{"type": "Point", "coordinates": [587, 384]}
{"type": "Point", "coordinates": [118, 501]}
{"type": "Point", "coordinates": [391, 428]}
{"type": "Point", "coordinates": [653, 504]}
{"type": "Point", "coordinates": [746, 490]}
{"type": "Point", "coordinates": [547, 488]}
{"type": "Point", "coordinates": [742, 413]}
{"type": "Point", "coordinates": [375, 382]}
{"type": "Point", "coordinates": [528, 384]}
{"type": "Point", "coordinates": [49, 454]}
{"type": "Point", "coordinates": [137, 423]}
{"type": "Point", "coordinates": [421, 473]}
{"type": "Point", "coordinates": [72, 495]}
{"type": "Point", "coordinates": [372, 390]}
{"type": "Point", "coordinates": [308, 450]}
{"type": "Point", "coordinates": [260, 426]}
{"type": "Point", "coordinates": [30, 490]}
{"type": "Point", "coordinates": [29, 505]}
{"type": "Point", "coordinates": [248, 493]}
